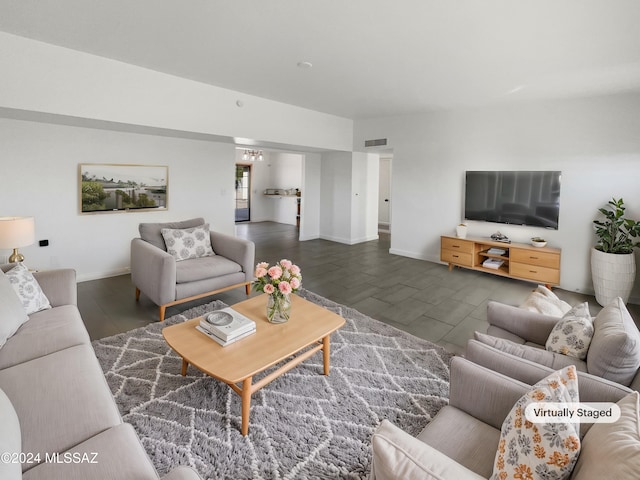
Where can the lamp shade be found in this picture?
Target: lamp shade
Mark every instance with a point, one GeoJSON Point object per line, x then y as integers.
{"type": "Point", "coordinates": [17, 232]}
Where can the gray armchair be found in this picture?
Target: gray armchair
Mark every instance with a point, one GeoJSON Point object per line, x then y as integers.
{"type": "Point", "coordinates": [167, 282]}
{"type": "Point", "coordinates": [462, 439]}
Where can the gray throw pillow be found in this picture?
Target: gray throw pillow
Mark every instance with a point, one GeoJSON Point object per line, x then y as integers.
{"type": "Point", "coordinates": [573, 333]}
{"type": "Point", "coordinates": [28, 289]}
{"type": "Point", "coordinates": [12, 313]}
{"type": "Point", "coordinates": [614, 353]}
{"type": "Point", "coordinates": [188, 243]}
{"type": "Point", "coordinates": [151, 232]}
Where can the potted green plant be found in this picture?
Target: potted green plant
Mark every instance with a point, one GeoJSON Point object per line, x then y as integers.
{"type": "Point", "coordinates": [613, 266]}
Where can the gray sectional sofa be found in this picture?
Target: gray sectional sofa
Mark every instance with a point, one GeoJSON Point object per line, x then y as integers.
{"type": "Point", "coordinates": [59, 419]}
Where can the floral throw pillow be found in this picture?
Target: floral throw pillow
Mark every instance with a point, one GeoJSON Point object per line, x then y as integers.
{"type": "Point", "coordinates": [540, 451]}
{"type": "Point", "coordinates": [188, 243]}
{"type": "Point", "coordinates": [26, 286]}
{"type": "Point", "coordinates": [572, 335]}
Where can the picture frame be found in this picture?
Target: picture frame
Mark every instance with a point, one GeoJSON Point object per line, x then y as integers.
{"type": "Point", "coordinates": [111, 187]}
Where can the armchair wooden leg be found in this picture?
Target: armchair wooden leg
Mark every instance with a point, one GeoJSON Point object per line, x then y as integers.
{"type": "Point", "coordinates": [247, 288]}
{"type": "Point", "coordinates": [162, 312]}
{"type": "Point", "coordinates": [137, 294]}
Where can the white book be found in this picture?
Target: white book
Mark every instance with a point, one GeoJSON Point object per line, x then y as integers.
{"type": "Point", "coordinates": [496, 251]}
{"type": "Point", "coordinates": [222, 342]}
{"type": "Point", "coordinates": [226, 323]}
{"type": "Point", "coordinates": [493, 263]}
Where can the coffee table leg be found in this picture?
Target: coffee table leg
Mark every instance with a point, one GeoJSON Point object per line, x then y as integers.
{"type": "Point", "coordinates": [246, 404]}
{"type": "Point", "coordinates": [326, 350]}
{"type": "Point", "coordinates": [185, 364]}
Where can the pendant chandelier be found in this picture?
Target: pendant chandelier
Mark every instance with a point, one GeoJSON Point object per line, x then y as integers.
{"type": "Point", "coordinates": [252, 155]}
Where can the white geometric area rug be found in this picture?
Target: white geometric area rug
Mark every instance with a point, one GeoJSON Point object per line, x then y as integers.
{"type": "Point", "coordinates": [303, 425]}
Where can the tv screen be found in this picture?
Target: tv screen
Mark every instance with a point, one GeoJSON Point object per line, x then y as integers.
{"type": "Point", "coordinates": [519, 198]}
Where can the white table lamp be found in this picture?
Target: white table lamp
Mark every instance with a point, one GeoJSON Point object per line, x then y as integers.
{"type": "Point", "coordinates": [16, 232]}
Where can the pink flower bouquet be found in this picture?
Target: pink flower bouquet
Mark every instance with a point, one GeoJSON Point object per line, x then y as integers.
{"type": "Point", "coordinates": [281, 279]}
{"type": "Point", "coordinates": [278, 281]}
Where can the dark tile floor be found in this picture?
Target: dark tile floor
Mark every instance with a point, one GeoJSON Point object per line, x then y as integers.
{"type": "Point", "coordinates": [420, 297]}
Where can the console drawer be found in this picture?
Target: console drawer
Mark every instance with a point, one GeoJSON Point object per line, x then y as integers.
{"type": "Point", "coordinates": [456, 257]}
{"type": "Point", "coordinates": [457, 245]}
{"type": "Point", "coordinates": [534, 272]}
{"type": "Point", "coordinates": [532, 257]}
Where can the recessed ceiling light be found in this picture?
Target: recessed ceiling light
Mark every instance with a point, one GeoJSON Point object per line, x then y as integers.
{"type": "Point", "coordinates": [305, 64]}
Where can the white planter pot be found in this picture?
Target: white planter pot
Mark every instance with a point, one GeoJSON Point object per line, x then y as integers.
{"type": "Point", "coordinates": [461, 231]}
{"type": "Point", "coordinates": [613, 275]}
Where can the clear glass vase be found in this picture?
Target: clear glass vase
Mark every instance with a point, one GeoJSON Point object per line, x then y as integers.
{"type": "Point", "coordinates": [278, 308]}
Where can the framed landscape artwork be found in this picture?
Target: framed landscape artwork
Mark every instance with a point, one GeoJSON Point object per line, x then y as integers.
{"type": "Point", "coordinates": [120, 188]}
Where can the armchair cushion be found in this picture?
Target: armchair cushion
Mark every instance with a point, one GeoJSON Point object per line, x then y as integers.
{"type": "Point", "coordinates": [549, 359]}
{"type": "Point", "coordinates": [152, 232]}
{"type": "Point", "coordinates": [196, 269]}
{"type": "Point", "coordinates": [10, 439]}
{"type": "Point", "coordinates": [396, 454]}
{"type": "Point", "coordinates": [612, 450]}
{"type": "Point", "coordinates": [614, 353]}
{"type": "Point", "coordinates": [572, 334]}
{"type": "Point", "coordinates": [186, 243]}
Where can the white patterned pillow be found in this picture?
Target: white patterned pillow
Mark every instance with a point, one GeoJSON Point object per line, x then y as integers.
{"type": "Point", "coordinates": [26, 286]}
{"type": "Point", "coordinates": [537, 451]}
{"type": "Point", "coordinates": [188, 243]}
{"type": "Point", "coordinates": [572, 335]}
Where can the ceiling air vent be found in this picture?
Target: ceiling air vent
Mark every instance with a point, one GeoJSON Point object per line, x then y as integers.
{"type": "Point", "coordinates": [378, 142]}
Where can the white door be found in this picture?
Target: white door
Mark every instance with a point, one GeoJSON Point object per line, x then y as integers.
{"type": "Point", "coordinates": [384, 198]}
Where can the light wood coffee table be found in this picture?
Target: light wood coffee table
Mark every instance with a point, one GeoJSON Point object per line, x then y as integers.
{"type": "Point", "coordinates": [309, 326]}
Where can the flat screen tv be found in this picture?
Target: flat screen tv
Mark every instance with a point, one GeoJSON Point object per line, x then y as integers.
{"type": "Point", "coordinates": [514, 197]}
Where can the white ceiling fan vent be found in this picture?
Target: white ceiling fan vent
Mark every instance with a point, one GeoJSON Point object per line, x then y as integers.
{"type": "Point", "coordinates": [378, 142]}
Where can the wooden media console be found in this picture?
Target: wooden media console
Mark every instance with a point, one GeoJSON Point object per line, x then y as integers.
{"type": "Point", "coordinates": [517, 260]}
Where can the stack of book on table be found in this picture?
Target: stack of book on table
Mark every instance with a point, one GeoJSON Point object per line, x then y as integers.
{"type": "Point", "coordinates": [226, 326]}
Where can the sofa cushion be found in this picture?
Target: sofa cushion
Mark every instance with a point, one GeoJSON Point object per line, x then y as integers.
{"type": "Point", "coordinates": [186, 243]}
{"type": "Point", "coordinates": [463, 438]}
{"type": "Point", "coordinates": [12, 313]}
{"type": "Point", "coordinates": [540, 451]}
{"type": "Point", "coordinates": [612, 450]}
{"type": "Point", "coordinates": [544, 301]}
{"type": "Point", "coordinates": [396, 454]}
{"type": "Point", "coordinates": [118, 455]}
{"type": "Point", "coordinates": [151, 232]}
{"type": "Point", "coordinates": [61, 400]}
{"type": "Point", "coordinates": [614, 353]}
{"type": "Point", "coordinates": [10, 439]}
{"type": "Point", "coordinates": [573, 333]}
{"type": "Point", "coordinates": [196, 269]}
{"type": "Point", "coordinates": [533, 353]}
{"type": "Point", "coordinates": [46, 332]}
{"type": "Point", "coordinates": [32, 297]}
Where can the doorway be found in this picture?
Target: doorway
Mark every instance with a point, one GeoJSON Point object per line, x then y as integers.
{"type": "Point", "coordinates": [384, 195]}
{"type": "Point", "coordinates": [243, 193]}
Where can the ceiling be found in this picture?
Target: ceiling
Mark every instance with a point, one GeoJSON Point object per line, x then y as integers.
{"type": "Point", "coordinates": [370, 57]}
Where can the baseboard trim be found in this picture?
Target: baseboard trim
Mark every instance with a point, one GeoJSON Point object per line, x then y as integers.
{"type": "Point", "coordinates": [87, 277]}
{"type": "Point", "coordinates": [349, 241]}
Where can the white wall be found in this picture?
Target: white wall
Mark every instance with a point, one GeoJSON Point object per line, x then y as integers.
{"type": "Point", "coordinates": [39, 77]}
{"type": "Point", "coordinates": [594, 142]}
{"type": "Point", "coordinates": [349, 197]}
{"type": "Point", "coordinates": [311, 197]}
{"type": "Point", "coordinates": [40, 179]}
